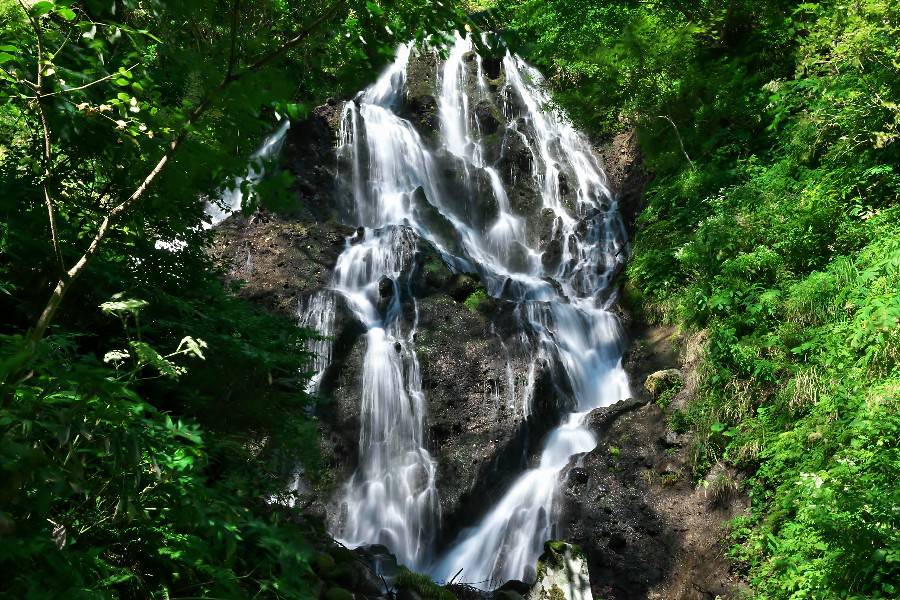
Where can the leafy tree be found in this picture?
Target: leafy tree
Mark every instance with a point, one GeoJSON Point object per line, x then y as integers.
{"type": "Point", "coordinates": [152, 422]}
{"type": "Point", "coordinates": [151, 100]}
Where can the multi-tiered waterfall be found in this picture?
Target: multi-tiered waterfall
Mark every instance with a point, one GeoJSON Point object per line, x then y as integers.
{"type": "Point", "coordinates": [398, 182]}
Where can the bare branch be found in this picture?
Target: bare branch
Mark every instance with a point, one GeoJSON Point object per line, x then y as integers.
{"type": "Point", "coordinates": [45, 184]}
{"type": "Point", "coordinates": [86, 85]}
{"type": "Point", "coordinates": [678, 135]}
{"type": "Point", "coordinates": [62, 45]}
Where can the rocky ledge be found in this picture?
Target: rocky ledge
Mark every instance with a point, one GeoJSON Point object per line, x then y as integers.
{"type": "Point", "coordinates": [372, 573]}
{"type": "Point", "coordinates": [647, 528]}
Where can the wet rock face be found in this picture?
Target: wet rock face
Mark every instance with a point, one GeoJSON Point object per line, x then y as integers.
{"type": "Point", "coordinates": [471, 420]}
{"type": "Point", "coordinates": [475, 375]}
{"type": "Point", "coordinates": [623, 163]}
{"type": "Point", "coordinates": [422, 111]}
{"type": "Point", "coordinates": [488, 122]}
{"type": "Point", "coordinates": [309, 155]}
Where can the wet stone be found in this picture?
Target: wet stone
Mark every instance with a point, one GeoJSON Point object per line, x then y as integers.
{"type": "Point", "coordinates": [487, 122]}
{"type": "Point", "coordinates": [386, 287]}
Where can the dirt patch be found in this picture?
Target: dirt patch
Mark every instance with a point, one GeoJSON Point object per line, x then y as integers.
{"type": "Point", "coordinates": [277, 261]}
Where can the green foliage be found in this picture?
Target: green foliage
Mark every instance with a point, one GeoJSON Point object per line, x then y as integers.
{"type": "Point", "coordinates": [102, 494]}
{"type": "Point", "coordinates": [149, 446]}
{"type": "Point", "coordinates": [475, 299]}
{"type": "Point", "coordinates": [775, 235]}
{"type": "Point", "coordinates": [666, 397]}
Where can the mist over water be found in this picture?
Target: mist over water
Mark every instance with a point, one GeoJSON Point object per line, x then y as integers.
{"type": "Point", "coordinates": [393, 177]}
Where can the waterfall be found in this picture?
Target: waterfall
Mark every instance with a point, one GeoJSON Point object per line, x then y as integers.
{"type": "Point", "coordinates": [391, 499]}
{"type": "Point", "coordinates": [569, 326]}
{"type": "Point", "coordinates": [232, 198]}
{"type": "Point", "coordinates": [394, 178]}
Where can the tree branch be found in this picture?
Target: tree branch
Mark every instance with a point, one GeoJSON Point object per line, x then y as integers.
{"type": "Point", "coordinates": [65, 283]}
{"type": "Point", "coordinates": [47, 149]}
{"type": "Point", "coordinates": [678, 135]}
{"type": "Point", "coordinates": [86, 85]}
{"type": "Point", "coordinates": [232, 55]}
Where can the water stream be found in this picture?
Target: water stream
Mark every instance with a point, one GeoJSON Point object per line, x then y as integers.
{"type": "Point", "coordinates": [393, 176]}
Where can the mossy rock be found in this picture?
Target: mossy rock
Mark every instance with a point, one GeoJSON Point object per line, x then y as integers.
{"type": "Point", "coordinates": [342, 555]}
{"type": "Point", "coordinates": [324, 565]}
{"type": "Point", "coordinates": [422, 586]}
{"type": "Point", "coordinates": [554, 556]}
{"type": "Point", "coordinates": [663, 381]}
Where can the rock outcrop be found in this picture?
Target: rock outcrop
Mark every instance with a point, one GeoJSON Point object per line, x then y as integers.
{"type": "Point", "coordinates": [644, 529]}
{"type": "Point", "coordinates": [647, 530]}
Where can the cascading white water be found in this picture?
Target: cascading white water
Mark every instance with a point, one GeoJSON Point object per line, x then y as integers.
{"type": "Point", "coordinates": [232, 199]}
{"type": "Point", "coordinates": [391, 498]}
{"type": "Point", "coordinates": [570, 327]}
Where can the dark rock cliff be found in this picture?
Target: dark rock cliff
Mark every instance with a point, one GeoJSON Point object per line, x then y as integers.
{"type": "Point", "coordinates": [629, 504]}
{"type": "Point", "coordinates": [471, 372]}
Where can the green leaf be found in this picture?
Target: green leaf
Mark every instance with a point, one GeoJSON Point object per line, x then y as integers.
{"type": "Point", "coordinates": [374, 9]}
{"type": "Point", "coordinates": [147, 356]}
{"type": "Point", "coordinates": [191, 346]}
{"type": "Point", "coordinates": [119, 306]}
{"type": "Point", "coordinates": [39, 9]}
{"type": "Point", "coordinates": [66, 13]}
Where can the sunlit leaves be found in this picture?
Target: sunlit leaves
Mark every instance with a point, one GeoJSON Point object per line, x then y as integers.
{"type": "Point", "coordinates": [120, 306]}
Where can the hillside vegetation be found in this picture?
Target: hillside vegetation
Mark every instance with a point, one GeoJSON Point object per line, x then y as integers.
{"type": "Point", "coordinates": [152, 422]}
{"type": "Point", "coordinates": [149, 417]}
{"type": "Point", "coordinates": [772, 231]}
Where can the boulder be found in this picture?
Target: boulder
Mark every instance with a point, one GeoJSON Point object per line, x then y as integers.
{"type": "Point", "coordinates": [423, 111]}
{"type": "Point", "coordinates": [487, 120]}
{"type": "Point", "coordinates": [462, 286]}
{"type": "Point", "coordinates": [661, 382]}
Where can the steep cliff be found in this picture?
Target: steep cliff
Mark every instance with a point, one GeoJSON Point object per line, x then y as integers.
{"type": "Point", "coordinates": [490, 401]}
